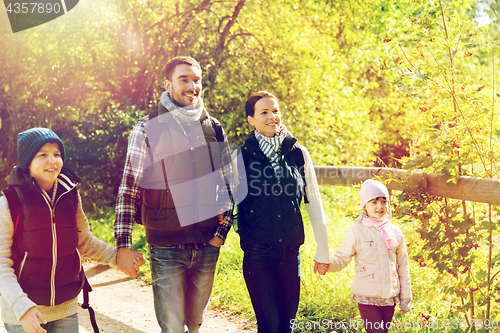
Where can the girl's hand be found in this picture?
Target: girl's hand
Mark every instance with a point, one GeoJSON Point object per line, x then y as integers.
{"type": "Point", "coordinates": [403, 311]}
{"type": "Point", "coordinates": [31, 321]}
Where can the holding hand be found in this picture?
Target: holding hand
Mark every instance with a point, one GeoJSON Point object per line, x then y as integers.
{"type": "Point", "coordinates": [128, 261]}
{"type": "Point", "coordinates": [31, 321]}
{"type": "Point", "coordinates": [320, 268]}
{"type": "Point", "coordinates": [216, 241]}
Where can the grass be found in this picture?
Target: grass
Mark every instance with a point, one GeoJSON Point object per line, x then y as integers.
{"type": "Point", "coordinates": [325, 304]}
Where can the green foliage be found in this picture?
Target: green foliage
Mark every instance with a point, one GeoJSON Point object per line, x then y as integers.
{"type": "Point", "coordinates": [444, 64]}
{"type": "Point", "coordinates": [91, 84]}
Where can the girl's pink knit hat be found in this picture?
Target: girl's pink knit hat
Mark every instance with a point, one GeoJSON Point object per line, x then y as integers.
{"type": "Point", "coordinates": [371, 189]}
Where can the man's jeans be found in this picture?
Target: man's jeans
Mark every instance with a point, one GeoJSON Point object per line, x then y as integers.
{"type": "Point", "coordinates": [65, 325]}
{"type": "Point", "coordinates": [272, 275]}
{"type": "Point", "coordinates": [182, 282]}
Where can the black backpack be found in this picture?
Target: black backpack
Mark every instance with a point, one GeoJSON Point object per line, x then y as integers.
{"type": "Point", "coordinates": [15, 200]}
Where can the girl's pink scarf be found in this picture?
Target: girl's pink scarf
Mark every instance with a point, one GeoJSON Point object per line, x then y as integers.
{"type": "Point", "coordinates": [387, 234]}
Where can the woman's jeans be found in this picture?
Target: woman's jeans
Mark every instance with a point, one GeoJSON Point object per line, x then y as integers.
{"type": "Point", "coordinates": [65, 325]}
{"type": "Point", "coordinates": [182, 282]}
{"type": "Point", "coordinates": [272, 275]}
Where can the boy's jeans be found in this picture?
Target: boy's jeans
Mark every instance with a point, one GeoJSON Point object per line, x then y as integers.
{"type": "Point", "coordinates": [65, 325]}
{"type": "Point", "coordinates": [182, 282]}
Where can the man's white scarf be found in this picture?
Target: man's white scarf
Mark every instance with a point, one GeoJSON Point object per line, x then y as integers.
{"type": "Point", "coordinates": [184, 113]}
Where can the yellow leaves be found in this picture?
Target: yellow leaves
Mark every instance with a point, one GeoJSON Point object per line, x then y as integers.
{"type": "Point", "coordinates": [420, 53]}
{"type": "Point", "coordinates": [448, 44]}
{"type": "Point", "coordinates": [386, 40]}
{"type": "Point", "coordinates": [384, 66]}
{"type": "Point", "coordinates": [468, 53]}
{"type": "Point", "coordinates": [435, 87]}
{"type": "Point", "coordinates": [397, 59]}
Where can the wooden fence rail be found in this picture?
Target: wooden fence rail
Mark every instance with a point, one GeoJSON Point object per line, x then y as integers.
{"type": "Point", "coordinates": [467, 188]}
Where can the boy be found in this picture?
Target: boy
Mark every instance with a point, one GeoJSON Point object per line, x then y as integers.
{"type": "Point", "coordinates": [40, 269]}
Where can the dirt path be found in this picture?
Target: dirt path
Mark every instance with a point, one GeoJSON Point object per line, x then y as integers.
{"type": "Point", "coordinates": [123, 304]}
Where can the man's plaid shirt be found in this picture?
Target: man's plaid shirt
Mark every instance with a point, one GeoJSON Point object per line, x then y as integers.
{"type": "Point", "coordinates": [129, 198]}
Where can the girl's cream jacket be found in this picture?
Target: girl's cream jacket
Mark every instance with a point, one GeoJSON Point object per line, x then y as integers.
{"type": "Point", "coordinates": [379, 272]}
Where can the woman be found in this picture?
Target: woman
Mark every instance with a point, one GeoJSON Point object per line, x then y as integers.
{"type": "Point", "coordinates": [270, 224]}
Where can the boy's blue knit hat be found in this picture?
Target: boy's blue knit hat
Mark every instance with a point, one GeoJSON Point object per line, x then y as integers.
{"type": "Point", "coordinates": [29, 143]}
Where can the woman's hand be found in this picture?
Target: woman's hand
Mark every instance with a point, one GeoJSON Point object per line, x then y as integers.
{"type": "Point", "coordinates": [31, 321]}
{"type": "Point", "coordinates": [320, 268]}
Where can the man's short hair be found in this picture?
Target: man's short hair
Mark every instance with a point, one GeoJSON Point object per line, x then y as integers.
{"type": "Point", "coordinates": [176, 61]}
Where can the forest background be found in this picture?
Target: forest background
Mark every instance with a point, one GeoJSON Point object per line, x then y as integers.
{"type": "Point", "coordinates": [404, 83]}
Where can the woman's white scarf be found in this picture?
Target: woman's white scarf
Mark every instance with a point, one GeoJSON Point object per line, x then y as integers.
{"type": "Point", "coordinates": [271, 147]}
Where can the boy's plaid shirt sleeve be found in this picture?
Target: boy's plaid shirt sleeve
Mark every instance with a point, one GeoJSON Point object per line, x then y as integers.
{"type": "Point", "coordinates": [129, 199]}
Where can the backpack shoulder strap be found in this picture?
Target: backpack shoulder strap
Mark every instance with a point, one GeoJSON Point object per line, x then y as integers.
{"type": "Point", "coordinates": [86, 305]}
{"type": "Point", "coordinates": [153, 114]}
{"type": "Point", "coordinates": [15, 201]}
{"type": "Point", "coordinates": [74, 196]}
{"type": "Point", "coordinates": [219, 134]}
{"type": "Point", "coordinates": [298, 155]}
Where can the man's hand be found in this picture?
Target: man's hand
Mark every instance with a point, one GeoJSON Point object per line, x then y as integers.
{"type": "Point", "coordinates": [216, 241]}
{"type": "Point", "coordinates": [128, 261]}
{"type": "Point", "coordinates": [31, 321]}
{"type": "Point", "coordinates": [221, 216]}
{"type": "Point", "coordinates": [320, 268]}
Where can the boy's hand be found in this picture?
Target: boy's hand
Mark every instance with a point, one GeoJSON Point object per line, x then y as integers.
{"type": "Point", "coordinates": [320, 268]}
{"type": "Point", "coordinates": [31, 321]}
{"type": "Point", "coordinates": [128, 261]}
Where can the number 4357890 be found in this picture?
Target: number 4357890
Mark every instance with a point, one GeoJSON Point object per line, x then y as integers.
{"type": "Point", "coordinates": [33, 7]}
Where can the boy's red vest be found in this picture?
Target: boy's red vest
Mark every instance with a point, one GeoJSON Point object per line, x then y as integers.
{"type": "Point", "coordinates": [44, 249]}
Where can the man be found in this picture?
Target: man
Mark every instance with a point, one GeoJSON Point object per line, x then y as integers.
{"type": "Point", "coordinates": [171, 184]}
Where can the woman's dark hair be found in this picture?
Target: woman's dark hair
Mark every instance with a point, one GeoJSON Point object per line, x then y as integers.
{"type": "Point", "coordinates": [250, 105]}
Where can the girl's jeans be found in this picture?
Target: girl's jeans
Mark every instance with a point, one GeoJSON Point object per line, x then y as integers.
{"type": "Point", "coordinates": [182, 282]}
{"type": "Point", "coordinates": [272, 275]}
{"type": "Point", "coordinates": [65, 325]}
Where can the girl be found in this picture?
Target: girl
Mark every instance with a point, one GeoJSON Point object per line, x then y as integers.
{"type": "Point", "coordinates": [270, 224]}
{"type": "Point", "coordinates": [382, 275]}
{"type": "Point", "coordinates": [40, 270]}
